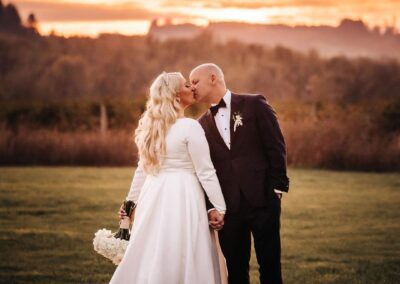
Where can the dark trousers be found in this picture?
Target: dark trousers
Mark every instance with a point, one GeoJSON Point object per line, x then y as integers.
{"type": "Point", "coordinates": [235, 239]}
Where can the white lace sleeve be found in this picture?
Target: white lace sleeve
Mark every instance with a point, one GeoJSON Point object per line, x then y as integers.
{"type": "Point", "coordinates": [137, 183]}
{"type": "Point", "coordinates": [205, 171]}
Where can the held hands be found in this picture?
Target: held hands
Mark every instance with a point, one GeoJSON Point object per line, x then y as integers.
{"type": "Point", "coordinates": [216, 219]}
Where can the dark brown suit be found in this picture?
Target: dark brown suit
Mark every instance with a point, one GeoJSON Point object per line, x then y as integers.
{"type": "Point", "coordinates": [248, 173]}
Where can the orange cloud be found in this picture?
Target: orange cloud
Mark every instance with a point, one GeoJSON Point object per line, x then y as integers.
{"type": "Point", "coordinates": [62, 11]}
{"type": "Point", "coordinates": [290, 12]}
{"type": "Point", "coordinates": [99, 10]}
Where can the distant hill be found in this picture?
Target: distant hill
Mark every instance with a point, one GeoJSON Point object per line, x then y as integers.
{"type": "Point", "coordinates": [181, 31]}
{"type": "Point", "coordinates": [351, 38]}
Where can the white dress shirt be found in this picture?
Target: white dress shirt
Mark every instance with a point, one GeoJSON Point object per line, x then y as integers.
{"type": "Point", "coordinates": [222, 119]}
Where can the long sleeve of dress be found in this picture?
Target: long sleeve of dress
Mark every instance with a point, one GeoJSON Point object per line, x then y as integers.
{"type": "Point", "coordinates": [137, 183]}
{"type": "Point", "coordinates": [200, 154]}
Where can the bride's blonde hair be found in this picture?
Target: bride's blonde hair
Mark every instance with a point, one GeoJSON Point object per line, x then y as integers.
{"type": "Point", "coordinates": [161, 112]}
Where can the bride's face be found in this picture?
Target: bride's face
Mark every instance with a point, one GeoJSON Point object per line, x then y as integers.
{"type": "Point", "coordinates": [185, 94]}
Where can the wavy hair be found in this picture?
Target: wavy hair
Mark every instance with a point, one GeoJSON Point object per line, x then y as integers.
{"type": "Point", "coordinates": [161, 112]}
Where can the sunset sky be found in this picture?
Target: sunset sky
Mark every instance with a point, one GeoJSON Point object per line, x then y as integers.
{"type": "Point", "coordinates": [91, 17]}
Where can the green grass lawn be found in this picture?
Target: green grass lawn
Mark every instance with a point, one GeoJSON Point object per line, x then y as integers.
{"type": "Point", "coordinates": [337, 227]}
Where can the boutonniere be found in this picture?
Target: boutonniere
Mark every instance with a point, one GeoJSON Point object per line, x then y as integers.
{"type": "Point", "coordinates": [238, 120]}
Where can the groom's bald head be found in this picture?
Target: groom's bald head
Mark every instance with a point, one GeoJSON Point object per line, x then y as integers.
{"type": "Point", "coordinates": [208, 83]}
{"type": "Point", "coordinates": [210, 69]}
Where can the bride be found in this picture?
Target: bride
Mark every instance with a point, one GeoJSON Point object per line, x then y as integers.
{"type": "Point", "coordinates": [171, 241]}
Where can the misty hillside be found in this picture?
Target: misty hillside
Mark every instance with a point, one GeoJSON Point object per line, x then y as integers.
{"type": "Point", "coordinates": [350, 38]}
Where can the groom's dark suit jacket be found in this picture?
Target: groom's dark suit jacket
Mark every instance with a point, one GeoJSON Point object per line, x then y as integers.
{"type": "Point", "coordinates": [256, 163]}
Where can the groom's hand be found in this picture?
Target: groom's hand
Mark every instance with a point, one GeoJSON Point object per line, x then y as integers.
{"type": "Point", "coordinates": [216, 220]}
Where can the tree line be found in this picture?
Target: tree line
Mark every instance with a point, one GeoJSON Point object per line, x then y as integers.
{"type": "Point", "coordinates": [335, 112]}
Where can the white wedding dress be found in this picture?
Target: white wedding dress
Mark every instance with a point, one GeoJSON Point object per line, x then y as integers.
{"type": "Point", "coordinates": [171, 242]}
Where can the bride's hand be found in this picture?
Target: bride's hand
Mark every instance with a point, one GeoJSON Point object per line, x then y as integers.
{"type": "Point", "coordinates": [216, 220]}
{"type": "Point", "coordinates": [121, 212]}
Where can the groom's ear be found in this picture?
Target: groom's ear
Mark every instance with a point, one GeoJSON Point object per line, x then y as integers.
{"type": "Point", "coordinates": [213, 79]}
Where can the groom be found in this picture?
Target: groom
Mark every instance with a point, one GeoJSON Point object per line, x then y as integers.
{"type": "Point", "coordinates": [248, 151]}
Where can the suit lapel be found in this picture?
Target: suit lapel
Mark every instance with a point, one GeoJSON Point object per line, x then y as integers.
{"type": "Point", "coordinates": [214, 130]}
{"type": "Point", "coordinates": [235, 108]}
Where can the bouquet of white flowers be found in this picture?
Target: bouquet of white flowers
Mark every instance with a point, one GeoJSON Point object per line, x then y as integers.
{"type": "Point", "coordinates": [113, 245]}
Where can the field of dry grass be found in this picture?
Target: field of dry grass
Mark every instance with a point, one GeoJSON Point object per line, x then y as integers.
{"type": "Point", "coordinates": [325, 144]}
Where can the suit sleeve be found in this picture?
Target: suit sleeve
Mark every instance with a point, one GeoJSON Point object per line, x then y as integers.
{"type": "Point", "coordinates": [274, 144]}
{"type": "Point", "coordinates": [137, 182]}
{"type": "Point", "coordinates": [200, 154]}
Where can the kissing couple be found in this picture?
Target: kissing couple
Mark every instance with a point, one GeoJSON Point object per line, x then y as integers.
{"type": "Point", "coordinates": [224, 172]}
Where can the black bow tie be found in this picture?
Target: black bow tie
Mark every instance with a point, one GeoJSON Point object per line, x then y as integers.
{"type": "Point", "coordinates": [214, 109]}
